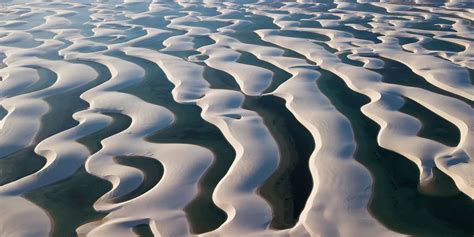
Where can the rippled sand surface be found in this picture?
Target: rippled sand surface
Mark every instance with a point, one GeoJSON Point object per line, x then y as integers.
{"type": "Point", "coordinates": [236, 118]}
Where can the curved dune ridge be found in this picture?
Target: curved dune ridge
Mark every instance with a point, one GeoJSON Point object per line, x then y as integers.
{"type": "Point", "coordinates": [236, 118]}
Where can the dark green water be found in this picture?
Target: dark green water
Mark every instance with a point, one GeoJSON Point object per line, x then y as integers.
{"type": "Point", "coordinates": [188, 128]}
{"type": "Point", "coordinates": [152, 169]}
{"type": "Point", "coordinates": [398, 73]}
{"type": "Point", "coordinates": [19, 164]}
{"type": "Point", "coordinates": [434, 127]}
{"type": "Point", "coordinates": [3, 113]}
{"type": "Point", "coordinates": [143, 230]}
{"type": "Point", "coordinates": [396, 201]}
{"type": "Point", "coordinates": [289, 187]}
{"type": "Point", "coordinates": [279, 75]}
{"type": "Point", "coordinates": [69, 202]}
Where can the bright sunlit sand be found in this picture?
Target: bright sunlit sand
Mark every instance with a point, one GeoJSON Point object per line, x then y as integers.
{"type": "Point", "coordinates": [236, 118]}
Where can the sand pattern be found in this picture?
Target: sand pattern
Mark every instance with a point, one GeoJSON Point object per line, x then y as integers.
{"type": "Point", "coordinates": [236, 118]}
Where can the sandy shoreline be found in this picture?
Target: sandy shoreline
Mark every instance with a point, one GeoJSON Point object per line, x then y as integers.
{"type": "Point", "coordinates": [227, 118]}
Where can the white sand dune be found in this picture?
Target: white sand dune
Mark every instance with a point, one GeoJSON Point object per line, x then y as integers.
{"type": "Point", "coordinates": [300, 39]}
{"type": "Point", "coordinates": [369, 83]}
{"type": "Point", "coordinates": [246, 132]}
{"type": "Point", "coordinates": [61, 151]}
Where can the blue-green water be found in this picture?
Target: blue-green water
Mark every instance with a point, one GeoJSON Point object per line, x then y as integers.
{"type": "Point", "coordinates": [49, 32]}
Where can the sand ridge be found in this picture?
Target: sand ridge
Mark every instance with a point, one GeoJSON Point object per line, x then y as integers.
{"type": "Point", "coordinates": [184, 39]}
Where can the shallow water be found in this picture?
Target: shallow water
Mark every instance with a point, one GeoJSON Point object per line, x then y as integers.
{"type": "Point", "coordinates": [168, 123]}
